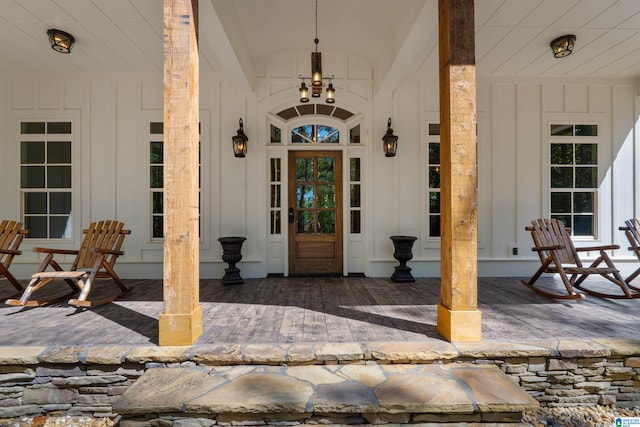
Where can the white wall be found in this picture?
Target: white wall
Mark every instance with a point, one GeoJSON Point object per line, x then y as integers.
{"type": "Point", "coordinates": [113, 111]}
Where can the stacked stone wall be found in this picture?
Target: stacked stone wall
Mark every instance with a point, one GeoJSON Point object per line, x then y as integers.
{"type": "Point", "coordinates": [87, 381]}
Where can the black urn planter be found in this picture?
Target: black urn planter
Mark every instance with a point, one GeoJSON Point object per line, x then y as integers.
{"type": "Point", "coordinates": [402, 252]}
{"type": "Point", "coordinates": [232, 254]}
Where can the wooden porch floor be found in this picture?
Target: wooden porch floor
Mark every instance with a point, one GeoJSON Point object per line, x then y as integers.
{"type": "Point", "coordinates": [332, 309]}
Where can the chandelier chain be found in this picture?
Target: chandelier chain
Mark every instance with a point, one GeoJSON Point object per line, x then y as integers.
{"type": "Point", "coordinates": [316, 41]}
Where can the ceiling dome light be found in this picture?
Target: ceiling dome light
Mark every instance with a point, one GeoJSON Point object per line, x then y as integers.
{"type": "Point", "coordinates": [563, 46]}
{"type": "Point", "coordinates": [60, 41]}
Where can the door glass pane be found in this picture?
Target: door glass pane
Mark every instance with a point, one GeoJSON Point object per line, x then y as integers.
{"type": "Point", "coordinates": [305, 222]}
{"type": "Point", "coordinates": [275, 170]}
{"type": "Point", "coordinates": [355, 222]}
{"type": "Point", "coordinates": [354, 169]}
{"type": "Point", "coordinates": [275, 222]}
{"type": "Point", "coordinates": [275, 135]}
{"type": "Point", "coordinates": [326, 170]}
{"type": "Point", "coordinates": [304, 196]}
{"type": "Point", "coordinates": [304, 170]}
{"type": "Point", "coordinates": [328, 135]}
{"type": "Point", "coordinates": [354, 135]}
{"type": "Point", "coordinates": [326, 196]}
{"type": "Point", "coordinates": [355, 195]}
{"type": "Point", "coordinates": [326, 222]}
{"type": "Point", "coordinates": [275, 195]}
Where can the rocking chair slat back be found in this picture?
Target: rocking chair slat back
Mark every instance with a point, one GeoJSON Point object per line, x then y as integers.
{"type": "Point", "coordinates": [11, 235]}
{"type": "Point", "coordinates": [101, 235]}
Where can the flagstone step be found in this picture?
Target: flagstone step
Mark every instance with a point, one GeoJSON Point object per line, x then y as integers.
{"type": "Point", "coordinates": [327, 394]}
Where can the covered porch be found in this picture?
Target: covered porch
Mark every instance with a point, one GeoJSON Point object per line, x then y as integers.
{"type": "Point", "coordinates": [318, 310]}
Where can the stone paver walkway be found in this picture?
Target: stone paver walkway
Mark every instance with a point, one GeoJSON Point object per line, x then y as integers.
{"type": "Point", "coordinates": [330, 393]}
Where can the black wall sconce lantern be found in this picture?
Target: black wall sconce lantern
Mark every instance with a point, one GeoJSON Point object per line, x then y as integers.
{"type": "Point", "coordinates": [240, 141]}
{"type": "Point", "coordinates": [60, 41]}
{"type": "Point", "coordinates": [563, 46]}
{"type": "Point", "coordinates": [389, 141]}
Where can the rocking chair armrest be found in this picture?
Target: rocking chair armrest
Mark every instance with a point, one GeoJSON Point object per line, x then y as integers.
{"type": "Point", "coordinates": [597, 248]}
{"type": "Point", "coordinates": [107, 251]}
{"type": "Point", "coordinates": [10, 252]}
{"type": "Point", "coordinates": [56, 251]}
{"type": "Point", "coordinates": [547, 248]}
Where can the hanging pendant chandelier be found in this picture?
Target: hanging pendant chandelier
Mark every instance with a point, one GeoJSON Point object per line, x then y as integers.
{"type": "Point", "coordinates": [317, 81]}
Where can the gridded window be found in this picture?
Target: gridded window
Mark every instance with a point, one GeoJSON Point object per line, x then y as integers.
{"type": "Point", "coordinates": [275, 135]}
{"type": "Point", "coordinates": [354, 135]}
{"type": "Point", "coordinates": [433, 180]}
{"type": "Point", "coordinates": [275, 206]}
{"type": "Point", "coordinates": [46, 178]}
{"type": "Point", "coordinates": [355, 196]}
{"type": "Point", "coordinates": [574, 176]}
{"type": "Point", "coordinates": [156, 177]}
{"type": "Point", "coordinates": [312, 134]}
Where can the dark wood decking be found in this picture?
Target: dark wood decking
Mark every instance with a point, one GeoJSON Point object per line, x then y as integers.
{"type": "Point", "coordinates": [295, 310]}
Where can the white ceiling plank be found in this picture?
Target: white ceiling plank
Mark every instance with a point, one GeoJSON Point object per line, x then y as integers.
{"type": "Point", "coordinates": [540, 16]}
{"type": "Point", "coordinates": [46, 11]}
{"type": "Point", "coordinates": [120, 10]}
{"type": "Point", "coordinates": [11, 11]}
{"type": "Point", "coordinates": [483, 13]}
{"type": "Point", "coordinates": [615, 15]}
{"type": "Point", "coordinates": [582, 13]}
{"type": "Point", "coordinates": [126, 36]}
{"type": "Point", "coordinates": [512, 12]}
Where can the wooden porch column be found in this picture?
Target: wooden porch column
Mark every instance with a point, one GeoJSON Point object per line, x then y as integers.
{"type": "Point", "coordinates": [181, 320]}
{"type": "Point", "coordinates": [459, 319]}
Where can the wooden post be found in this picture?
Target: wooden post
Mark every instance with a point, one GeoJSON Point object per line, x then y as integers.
{"type": "Point", "coordinates": [459, 319]}
{"type": "Point", "coordinates": [181, 320]}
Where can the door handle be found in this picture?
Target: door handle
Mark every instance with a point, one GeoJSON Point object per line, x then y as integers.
{"type": "Point", "coordinates": [291, 216]}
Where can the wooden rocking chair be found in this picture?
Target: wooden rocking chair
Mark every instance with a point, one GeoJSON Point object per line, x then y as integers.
{"type": "Point", "coordinates": [632, 231]}
{"type": "Point", "coordinates": [558, 255]}
{"type": "Point", "coordinates": [95, 259]}
{"type": "Point", "coordinates": [11, 235]}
